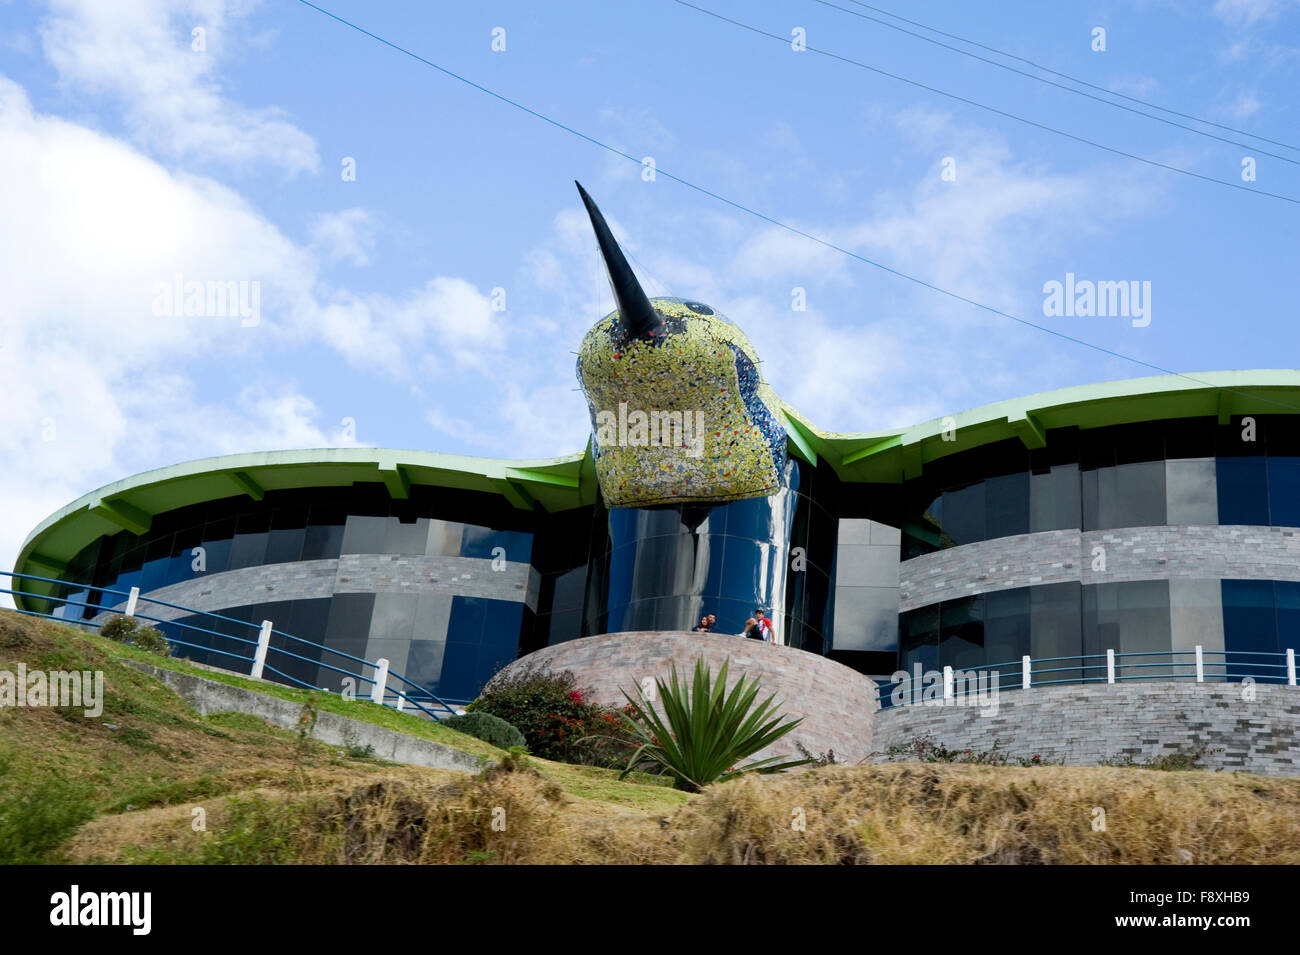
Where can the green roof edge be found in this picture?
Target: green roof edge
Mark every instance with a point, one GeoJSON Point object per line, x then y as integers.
{"type": "Point", "coordinates": [568, 481]}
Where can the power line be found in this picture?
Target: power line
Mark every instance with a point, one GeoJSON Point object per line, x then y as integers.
{"type": "Point", "coordinates": [1075, 79]}
{"type": "Point", "coordinates": [782, 225]}
{"type": "Point", "coordinates": [1059, 86]}
{"type": "Point", "coordinates": [991, 109]}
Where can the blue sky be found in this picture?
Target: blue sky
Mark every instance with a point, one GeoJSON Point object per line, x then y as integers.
{"type": "Point", "coordinates": [127, 157]}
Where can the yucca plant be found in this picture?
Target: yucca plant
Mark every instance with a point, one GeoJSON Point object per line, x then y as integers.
{"type": "Point", "coordinates": [705, 730]}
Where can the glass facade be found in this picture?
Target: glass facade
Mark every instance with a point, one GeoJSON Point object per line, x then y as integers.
{"type": "Point", "coordinates": [236, 532]}
{"type": "Point", "coordinates": [1259, 616]}
{"type": "Point", "coordinates": [1072, 620]}
{"type": "Point", "coordinates": [601, 570]}
{"type": "Point", "coordinates": [448, 643]}
{"type": "Point", "coordinates": [997, 628]}
{"type": "Point", "coordinates": [1180, 472]}
{"type": "Point", "coordinates": [664, 567]}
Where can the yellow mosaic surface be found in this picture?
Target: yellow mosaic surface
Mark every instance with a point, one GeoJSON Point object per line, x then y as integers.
{"type": "Point", "coordinates": [694, 371]}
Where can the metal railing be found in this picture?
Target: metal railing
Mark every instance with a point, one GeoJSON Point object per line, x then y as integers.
{"type": "Point", "coordinates": [262, 646]}
{"type": "Point", "coordinates": [923, 686]}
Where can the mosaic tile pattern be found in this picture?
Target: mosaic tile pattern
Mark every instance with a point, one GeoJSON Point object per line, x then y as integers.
{"type": "Point", "coordinates": [703, 369]}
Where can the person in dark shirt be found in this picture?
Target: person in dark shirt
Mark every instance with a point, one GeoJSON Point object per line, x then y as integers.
{"type": "Point", "coordinates": [703, 626]}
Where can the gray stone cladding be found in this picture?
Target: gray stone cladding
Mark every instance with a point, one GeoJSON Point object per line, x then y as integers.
{"type": "Point", "coordinates": [834, 701]}
{"type": "Point", "coordinates": [1084, 724]}
{"type": "Point", "coordinates": [1131, 553]}
{"type": "Point", "coordinates": [349, 574]}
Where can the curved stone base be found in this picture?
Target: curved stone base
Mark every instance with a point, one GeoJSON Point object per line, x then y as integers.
{"type": "Point", "coordinates": [836, 703]}
{"type": "Point", "coordinates": [1084, 724]}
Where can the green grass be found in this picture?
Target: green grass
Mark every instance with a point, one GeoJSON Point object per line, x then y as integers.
{"type": "Point", "coordinates": [603, 785]}
{"type": "Point", "coordinates": [359, 709]}
{"type": "Point", "coordinates": [120, 788]}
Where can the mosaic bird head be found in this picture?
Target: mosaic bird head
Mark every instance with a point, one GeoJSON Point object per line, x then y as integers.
{"type": "Point", "coordinates": [679, 408]}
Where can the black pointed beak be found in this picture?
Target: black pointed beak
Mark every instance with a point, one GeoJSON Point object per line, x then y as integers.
{"type": "Point", "coordinates": [634, 309]}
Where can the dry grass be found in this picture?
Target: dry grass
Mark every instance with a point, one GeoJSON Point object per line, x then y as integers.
{"type": "Point", "coordinates": [268, 801]}
{"type": "Point", "coordinates": [947, 814]}
{"type": "Point", "coordinates": [894, 814]}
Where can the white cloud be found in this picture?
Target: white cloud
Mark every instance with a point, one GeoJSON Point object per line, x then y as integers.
{"type": "Point", "coordinates": [1245, 105]}
{"type": "Point", "coordinates": [1246, 13]}
{"type": "Point", "coordinates": [346, 236]}
{"type": "Point", "coordinates": [780, 252]}
{"type": "Point", "coordinates": [141, 53]}
{"type": "Point", "coordinates": [97, 385]}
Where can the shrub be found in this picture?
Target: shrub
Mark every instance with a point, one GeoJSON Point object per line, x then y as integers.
{"type": "Point", "coordinates": [151, 639]}
{"type": "Point", "coordinates": [1180, 759]}
{"type": "Point", "coordinates": [485, 726]}
{"type": "Point", "coordinates": [706, 730]}
{"type": "Point", "coordinates": [557, 717]}
{"type": "Point", "coordinates": [925, 749]}
{"type": "Point", "coordinates": [118, 628]}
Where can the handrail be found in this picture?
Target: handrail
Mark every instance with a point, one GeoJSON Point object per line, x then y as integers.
{"type": "Point", "coordinates": [437, 703]}
{"type": "Point", "coordinates": [1118, 666]}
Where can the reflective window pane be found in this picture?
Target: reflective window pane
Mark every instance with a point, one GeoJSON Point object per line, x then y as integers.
{"type": "Point", "coordinates": [1243, 490]}
{"type": "Point", "coordinates": [1249, 625]}
{"type": "Point", "coordinates": [1007, 505]}
{"type": "Point", "coordinates": [1054, 499]}
{"type": "Point", "coordinates": [964, 516]}
{"type": "Point", "coordinates": [1284, 492]}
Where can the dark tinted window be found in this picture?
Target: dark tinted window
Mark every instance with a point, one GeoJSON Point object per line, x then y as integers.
{"type": "Point", "coordinates": [1284, 492]}
{"type": "Point", "coordinates": [1054, 499]}
{"type": "Point", "coordinates": [1243, 490]}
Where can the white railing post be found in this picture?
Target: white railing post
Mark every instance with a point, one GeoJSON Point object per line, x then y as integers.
{"type": "Point", "coordinates": [381, 681]}
{"type": "Point", "coordinates": [1024, 672]}
{"type": "Point", "coordinates": [1200, 664]}
{"type": "Point", "coordinates": [947, 683]}
{"type": "Point", "coordinates": [263, 644]}
{"type": "Point", "coordinates": [1290, 667]}
{"type": "Point", "coordinates": [401, 702]}
{"type": "Point", "coordinates": [131, 601]}
{"type": "Point", "coordinates": [1110, 666]}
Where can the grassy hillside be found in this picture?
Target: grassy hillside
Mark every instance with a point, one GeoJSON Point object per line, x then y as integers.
{"type": "Point", "coordinates": [136, 773]}
{"type": "Point", "coordinates": [124, 789]}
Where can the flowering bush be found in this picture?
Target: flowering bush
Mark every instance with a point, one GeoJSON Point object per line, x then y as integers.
{"type": "Point", "coordinates": [558, 718]}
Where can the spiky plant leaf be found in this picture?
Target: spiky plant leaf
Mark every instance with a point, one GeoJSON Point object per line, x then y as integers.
{"type": "Point", "coordinates": [705, 730]}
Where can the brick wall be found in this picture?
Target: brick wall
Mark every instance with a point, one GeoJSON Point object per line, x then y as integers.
{"type": "Point", "coordinates": [1132, 553]}
{"type": "Point", "coordinates": [1084, 724]}
{"type": "Point", "coordinates": [835, 702]}
{"type": "Point", "coordinates": [349, 574]}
